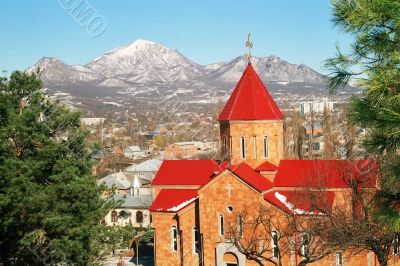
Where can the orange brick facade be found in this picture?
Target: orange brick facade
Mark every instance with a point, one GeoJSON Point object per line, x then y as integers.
{"type": "Point", "coordinates": [214, 199]}
{"type": "Point", "coordinates": [263, 141]}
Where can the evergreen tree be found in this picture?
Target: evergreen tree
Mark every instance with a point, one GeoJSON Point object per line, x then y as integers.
{"type": "Point", "coordinates": [50, 204]}
{"type": "Point", "coordinates": [374, 63]}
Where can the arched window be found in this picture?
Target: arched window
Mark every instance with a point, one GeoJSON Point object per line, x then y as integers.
{"type": "Point", "coordinates": [221, 225]}
{"type": "Point", "coordinates": [305, 242]}
{"type": "Point", "coordinates": [242, 148]}
{"type": "Point", "coordinates": [275, 246]}
{"type": "Point", "coordinates": [240, 225]}
{"type": "Point", "coordinates": [174, 238]}
{"type": "Point", "coordinates": [139, 217]}
{"type": "Point", "coordinates": [265, 147]}
{"type": "Point", "coordinates": [339, 259]}
{"type": "Point", "coordinates": [196, 240]}
{"type": "Point", "coordinates": [230, 146]}
{"type": "Point", "coordinates": [114, 216]}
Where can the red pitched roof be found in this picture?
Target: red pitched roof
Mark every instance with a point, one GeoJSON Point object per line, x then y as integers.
{"type": "Point", "coordinates": [301, 202]}
{"type": "Point", "coordinates": [251, 177]}
{"type": "Point", "coordinates": [326, 173]}
{"type": "Point", "coordinates": [173, 200]}
{"type": "Point", "coordinates": [266, 166]}
{"type": "Point", "coordinates": [185, 172]}
{"type": "Point", "coordinates": [250, 100]}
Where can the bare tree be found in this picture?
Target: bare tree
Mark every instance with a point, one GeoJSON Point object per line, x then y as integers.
{"type": "Point", "coordinates": [268, 234]}
{"type": "Point", "coordinates": [261, 236]}
{"type": "Point", "coordinates": [352, 226]}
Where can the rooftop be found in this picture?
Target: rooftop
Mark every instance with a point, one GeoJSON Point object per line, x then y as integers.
{"type": "Point", "coordinates": [173, 200]}
{"type": "Point", "coordinates": [250, 100]}
{"type": "Point", "coordinates": [185, 172]}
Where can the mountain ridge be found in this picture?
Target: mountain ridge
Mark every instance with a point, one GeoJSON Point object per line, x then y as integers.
{"type": "Point", "coordinates": [145, 62]}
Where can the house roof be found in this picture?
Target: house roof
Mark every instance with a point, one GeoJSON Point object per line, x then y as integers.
{"type": "Point", "coordinates": [129, 201]}
{"type": "Point", "coordinates": [121, 180]}
{"type": "Point", "coordinates": [301, 202]}
{"type": "Point", "coordinates": [99, 154]}
{"type": "Point", "coordinates": [251, 177]}
{"type": "Point", "coordinates": [133, 149]}
{"type": "Point", "coordinates": [185, 172]}
{"type": "Point", "coordinates": [151, 165]}
{"type": "Point", "coordinates": [173, 200]}
{"type": "Point", "coordinates": [266, 166]}
{"type": "Point", "coordinates": [250, 100]}
{"type": "Point", "coordinates": [326, 173]}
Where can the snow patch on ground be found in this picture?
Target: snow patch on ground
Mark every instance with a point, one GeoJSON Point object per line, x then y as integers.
{"type": "Point", "coordinates": [113, 103]}
{"type": "Point", "coordinates": [283, 82]}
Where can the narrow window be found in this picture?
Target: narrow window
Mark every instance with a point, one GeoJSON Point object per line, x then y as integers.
{"type": "Point", "coordinates": [230, 146]}
{"type": "Point", "coordinates": [240, 227]}
{"type": "Point", "coordinates": [305, 242]}
{"type": "Point", "coordinates": [396, 245]}
{"type": "Point", "coordinates": [265, 147]}
{"type": "Point", "coordinates": [174, 238]}
{"type": "Point", "coordinates": [221, 225]}
{"type": "Point", "coordinates": [196, 241]}
{"type": "Point", "coordinates": [139, 217]}
{"type": "Point", "coordinates": [114, 216]}
{"type": "Point", "coordinates": [225, 148]}
{"type": "Point", "coordinates": [242, 148]}
{"type": "Point", "coordinates": [275, 247]}
{"type": "Point", "coordinates": [339, 259]}
{"type": "Point", "coordinates": [255, 147]}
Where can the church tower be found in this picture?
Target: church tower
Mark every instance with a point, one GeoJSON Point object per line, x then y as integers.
{"type": "Point", "coordinates": [251, 124]}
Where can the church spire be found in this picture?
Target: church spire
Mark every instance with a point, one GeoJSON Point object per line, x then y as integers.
{"type": "Point", "coordinates": [249, 45]}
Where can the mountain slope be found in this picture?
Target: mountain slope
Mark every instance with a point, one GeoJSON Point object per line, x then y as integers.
{"type": "Point", "coordinates": [144, 61]}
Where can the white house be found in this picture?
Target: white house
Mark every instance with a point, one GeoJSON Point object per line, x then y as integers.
{"type": "Point", "coordinates": [134, 195]}
{"type": "Point", "coordinates": [134, 152]}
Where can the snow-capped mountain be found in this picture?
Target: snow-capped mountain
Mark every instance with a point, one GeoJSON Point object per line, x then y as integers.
{"type": "Point", "coordinates": [148, 62]}
{"type": "Point", "coordinates": [145, 61]}
{"type": "Point", "coordinates": [150, 72]}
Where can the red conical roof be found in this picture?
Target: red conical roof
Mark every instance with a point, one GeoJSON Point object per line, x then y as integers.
{"type": "Point", "coordinates": [250, 100]}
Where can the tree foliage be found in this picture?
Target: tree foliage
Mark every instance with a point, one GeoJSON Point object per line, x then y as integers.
{"type": "Point", "coordinates": [50, 204]}
{"type": "Point", "coordinates": [373, 62]}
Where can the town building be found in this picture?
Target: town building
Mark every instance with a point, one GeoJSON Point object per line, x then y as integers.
{"type": "Point", "coordinates": [181, 150]}
{"type": "Point", "coordinates": [134, 152]}
{"type": "Point", "coordinates": [134, 195]}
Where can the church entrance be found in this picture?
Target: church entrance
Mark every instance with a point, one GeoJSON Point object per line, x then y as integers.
{"type": "Point", "coordinates": [228, 255]}
{"type": "Point", "coordinates": [230, 259]}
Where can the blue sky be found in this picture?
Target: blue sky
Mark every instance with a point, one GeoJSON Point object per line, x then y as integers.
{"type": "Point", "coordinates": [206, 31]}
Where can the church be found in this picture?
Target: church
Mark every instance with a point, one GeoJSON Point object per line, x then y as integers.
{"type": "Point", "coordinates": [195, 201]}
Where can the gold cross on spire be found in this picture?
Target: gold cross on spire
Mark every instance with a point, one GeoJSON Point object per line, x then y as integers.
{"type": "Point", "coordinates": [249, 45]}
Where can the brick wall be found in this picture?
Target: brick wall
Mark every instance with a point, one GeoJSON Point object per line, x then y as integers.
{"type": "Point", "coordinates": [254, 154]}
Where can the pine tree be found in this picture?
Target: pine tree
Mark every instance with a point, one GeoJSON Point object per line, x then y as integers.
{"type": "Point", "coordinates": [50, 204]}
{"type": "Point", "coordinates": [374, 63]}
